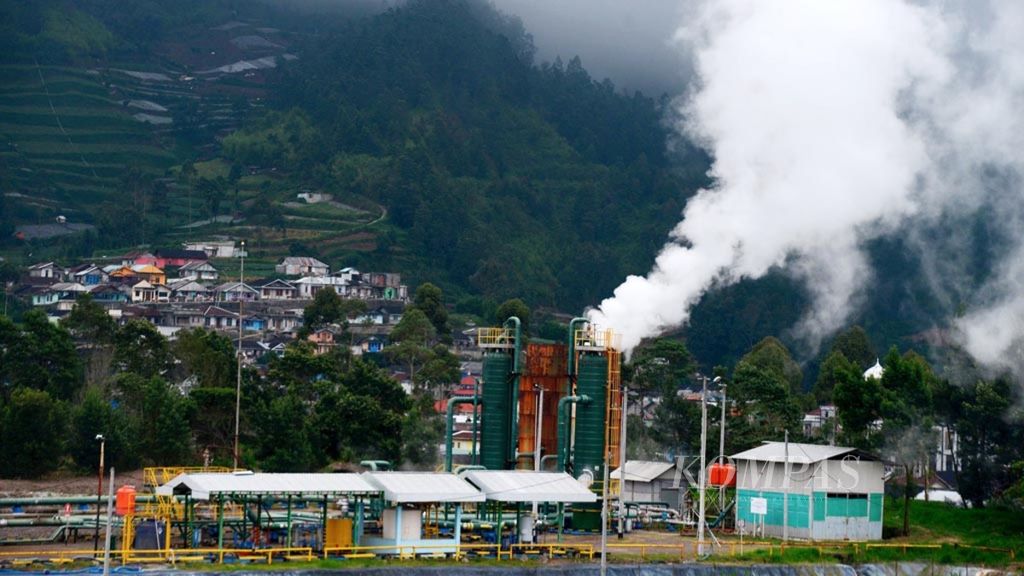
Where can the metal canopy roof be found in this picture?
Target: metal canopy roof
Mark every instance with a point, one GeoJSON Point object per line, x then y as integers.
{"type": "Point", "coordinates": [402, 487]}
{"type": "Point", "coordinates": [202, 486]}
{"type": "Point", "coordinates": [642, 470]}
{"type": "Point", "coordinates": [528, 486]}
{"type": "Point", "coordinates": [809, 453]}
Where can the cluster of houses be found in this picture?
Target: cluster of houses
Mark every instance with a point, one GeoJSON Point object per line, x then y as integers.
{"type": "Point", "coordinates": [179, 289]}
{"type": "Point", "coordinates": [144, 278]}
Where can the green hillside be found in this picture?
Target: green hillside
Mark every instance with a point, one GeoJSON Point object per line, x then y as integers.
{"type": "Point", "coordinates": [448, 153]}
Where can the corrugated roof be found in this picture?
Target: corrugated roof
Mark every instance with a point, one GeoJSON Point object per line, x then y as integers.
{"type": "Point", "coordinates": [423, 487]}
{"type": "Point", "coordinates": [528, 486]}
{"type": "Point", "coordinates": [642, 470]}
{"type": "Point", "coordinates": [809, 453]}
{"type": "Point", "coordinates": [303, 261]}
{"type": "Point", "coordinates": [202, 486]}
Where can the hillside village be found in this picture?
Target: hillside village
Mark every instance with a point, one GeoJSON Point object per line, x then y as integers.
{"type": "Point", "coordinates": [181, 288]}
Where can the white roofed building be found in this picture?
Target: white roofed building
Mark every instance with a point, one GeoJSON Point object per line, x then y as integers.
{"type": "Point", "coordinates": [652, 482]}
{"type": "Point", "coordinates": [818, 492]}
{"type": "Point", "coordinates": [302, 266]}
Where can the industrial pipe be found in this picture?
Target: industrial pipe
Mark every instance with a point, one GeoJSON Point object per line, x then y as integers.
{"type": "Point", "coordinates": [61, 500]}
{"type": "Point", "coordinates": [513, 394]}
{"type": "Point", "coordinates": [563, 432]}
{"type": "Point", "coordinates": [572, 342]}
{"type": "Point", "coordinates": [474, 453]}
{"type": "Point", "coordinates": [452, 402]}
{"type": "Point", "coordinates": [544, 459]}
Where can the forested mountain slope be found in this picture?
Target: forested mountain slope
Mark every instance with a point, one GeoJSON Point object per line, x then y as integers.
{"type": "Point", "coordinates": [449, 153]}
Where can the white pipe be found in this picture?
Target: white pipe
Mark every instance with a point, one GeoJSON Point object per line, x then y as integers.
{"type": "Point", "coordinates": [536, 439]}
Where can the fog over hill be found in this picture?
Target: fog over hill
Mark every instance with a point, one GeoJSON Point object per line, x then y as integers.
{"type": "Point", "coordinates": [631, 43]}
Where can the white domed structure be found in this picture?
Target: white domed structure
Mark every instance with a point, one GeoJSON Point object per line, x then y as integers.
{"type": "Point", "coordinates": [875, 371]}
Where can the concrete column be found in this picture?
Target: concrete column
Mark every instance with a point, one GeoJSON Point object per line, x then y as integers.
{"type": "Point", "coordinates": [398, 529]}
{"type": "Point", "coordinates": [458, 524]}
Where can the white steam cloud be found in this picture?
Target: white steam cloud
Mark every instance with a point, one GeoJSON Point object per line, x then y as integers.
{"type": "Point", "coordinates": [832, 123]}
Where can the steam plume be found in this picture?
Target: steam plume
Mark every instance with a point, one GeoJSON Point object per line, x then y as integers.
{"type": "Point", "coordinates": [832, 123]}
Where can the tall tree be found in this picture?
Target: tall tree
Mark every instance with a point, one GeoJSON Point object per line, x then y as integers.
{"type": "Point", "coordinates": [329, 308]}
{"type": "Point", "coordinates": [95, 415]}
{"type": "Point", "coordinates": [89, 322]}
{"type": "Point", "coordinates": [439, 372]}
{"type": "Point", "coordinates": [284, 438]}
{"type": "Point", "coordinates": [43, 357]}
{"type": "Point", "coordinates": [412, 337]}
{"type": "Point", "coordinates": [772, 355]}
{"type": "Point", "coordinates": [766, 405]}
{"type": "Point", "coordinates": [908, 416]}
{"type": "Point", "coordinates": [676, 425]}
{"type": "Point", "coordinates": [989, 439]}
{"type": "Point", "coordinates": [514, 307]}
{"type": "Point", "coordinates": [166, 425]}
{"type": "Point", "coordinates": [205, 356]}
{"type": "Point", "coordinates": [430, 299]}
{"type": "Point", "coordinates": [34, 425]}
{"type": "Point", "coordinates": [139, 348]}
{"type": "Point", "coordinates": [836, 368]}
{"type": "Point", "coordinates": [858, 405]}
{"type": "Point", "coordinates": [93, 329]}
{"type": "Point", "coordinates": [855, 345]}
{"type": "Point", "coordinates": [659, 366]}
{"type": "Point", "coordinates": [422, 432]}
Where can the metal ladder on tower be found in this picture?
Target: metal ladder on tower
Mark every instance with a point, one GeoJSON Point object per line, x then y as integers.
{"type": "Point", "coordinates": [613, 414]}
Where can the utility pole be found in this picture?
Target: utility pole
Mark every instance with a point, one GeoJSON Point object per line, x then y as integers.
{"type": "Point", "coordinates": [785, 491]}
{"type": "Point", "coordinates": [238, 383]}
{"type": "Point", "coordinates": [110, 512]}
{"type": "Point", "coordinates": [721, 449]}
{"type": "Point", "coordinates": [604, 514]}
{"type": "Point", "coordinates": [99, 494]}
{"type": "Point", "coordinates": [703, 463]}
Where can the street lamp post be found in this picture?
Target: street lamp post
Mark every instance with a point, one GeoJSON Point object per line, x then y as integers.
{"type": "Point", "coordinates": [702, 485]}
{"type": "Point", "coordinates": [721, 448]}
{"type": "Point", "coordinates": [99, 493]}
{"type": "Point", "coordinates": [238, 382]}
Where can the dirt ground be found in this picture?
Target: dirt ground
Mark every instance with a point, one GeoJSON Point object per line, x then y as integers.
{"type": "Point", "coordinates": [66, 486]}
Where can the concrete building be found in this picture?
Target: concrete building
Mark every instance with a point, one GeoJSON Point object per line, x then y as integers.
{"type": "Point", "coordinates": [831, 492]}
{"type": "Point", "coordinates": [650, 482]}
{"type": "Point", "coordinates": [302, 266]}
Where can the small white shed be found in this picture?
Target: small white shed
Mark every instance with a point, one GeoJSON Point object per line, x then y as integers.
{"type": "Point", "coordinates": [648, 482]}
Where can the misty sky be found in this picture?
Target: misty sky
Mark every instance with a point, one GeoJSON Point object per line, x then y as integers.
{"type": "Point", "coordinates": [630, 42]}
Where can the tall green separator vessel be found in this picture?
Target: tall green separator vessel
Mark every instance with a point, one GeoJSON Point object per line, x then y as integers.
{"type": "Point", "coordinates": [588, 453]}
{"type": "Point", "coordinates": [592, 381]}
{"type": "Point", "coordinates": [497, 411]}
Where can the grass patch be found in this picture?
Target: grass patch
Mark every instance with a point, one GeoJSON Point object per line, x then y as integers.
{"type": "Point", "coordinates": [216, 168]}
{"type": "Point", "coordinates": [946, 554]}
{"type": "Point", "coordinates": [934, 522]}
{"type": "Point", "coordinates": [60, 100]}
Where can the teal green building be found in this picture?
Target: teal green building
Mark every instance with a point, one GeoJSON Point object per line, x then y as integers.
{"type": "Point", "coordinates": [823, 493]}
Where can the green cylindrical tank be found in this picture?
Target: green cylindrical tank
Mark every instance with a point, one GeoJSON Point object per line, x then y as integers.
{"type": "Point", "coordinates": [592, 381]}
{"type": "Point", "coordinates": [497, 413]}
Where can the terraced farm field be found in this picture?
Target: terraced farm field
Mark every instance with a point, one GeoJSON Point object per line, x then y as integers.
{"type": "Point", "coordinates": [66, 137]}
